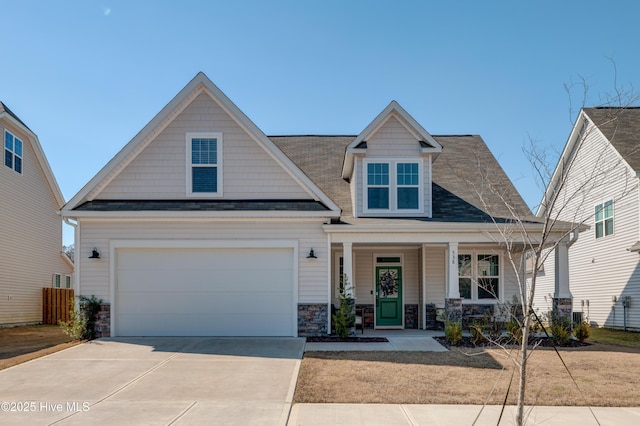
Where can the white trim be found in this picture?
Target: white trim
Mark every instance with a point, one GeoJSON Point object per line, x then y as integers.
{"type": "Point", "coordinates": [392, 186]}
{"type": "Point", "coordinates": [474, 275]}
{"type": "Point", "coordinates": [424, 286]}
{"type": "Point", "coordinates": [199, 244]}
{"type": "Point", "coordinates": [199, 84]}
{"type": "Point", "coordinates": [218, 166]}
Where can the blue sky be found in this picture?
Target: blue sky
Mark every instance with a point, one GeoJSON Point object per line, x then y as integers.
{"type": "Point", "coordinates": [87, 75]}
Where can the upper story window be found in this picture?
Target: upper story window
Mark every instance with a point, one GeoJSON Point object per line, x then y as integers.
{"type": "Point", "coordinates": [604, 219]}
{"type": "Point", "coordinates": [479, 276]}
{"type": "Point", "coordinates": [12, 152]}
{"type": "Point", "coordinates": [393, 186]}
{"type": "Point", "coordinates": [204, 164]}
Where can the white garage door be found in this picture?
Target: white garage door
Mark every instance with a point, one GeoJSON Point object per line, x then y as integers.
{"type": "Point", "coordinates": [204, 292]}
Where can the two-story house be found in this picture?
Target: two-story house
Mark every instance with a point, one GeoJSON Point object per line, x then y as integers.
{"type": "Point", "coordinates": [596, 183]}
{"type": "Point", "coordinates": [203, 225]}
{"type": "Point", "coordinates": [31, 245]}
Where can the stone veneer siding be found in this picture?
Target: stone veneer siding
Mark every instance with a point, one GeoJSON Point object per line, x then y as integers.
{"type": "Point", "coordinates": [103, 321]}
{"type": "Point", "coordinates": [411, 316]}
{"type": "Point", "coordinates": [453, 309]}
{"type": "Point", "coordinates": [312, 320]}
{"type": "Point", "coordinates": [563, 307]}
{"type": "Point", "coordinates": [368, 315]}
{"type": "Point", "coordinates": [431, 312]}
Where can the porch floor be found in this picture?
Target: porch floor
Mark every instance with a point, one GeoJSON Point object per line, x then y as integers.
{"type": "Point", "coordinates": [398, 340]}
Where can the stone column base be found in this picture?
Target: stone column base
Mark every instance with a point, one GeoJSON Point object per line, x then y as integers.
{"type": "Point", "coordinates": [563, 307]}
{"type": "Point", "coordinates": [453, 309]}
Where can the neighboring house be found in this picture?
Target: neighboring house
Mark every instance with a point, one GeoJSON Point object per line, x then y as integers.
{"type": "Point", "coordinates": [203, 225]}
{"type": "Point", "coordinates": [602, 159]}
{"type": "Point", "coordinates": [31, 245]}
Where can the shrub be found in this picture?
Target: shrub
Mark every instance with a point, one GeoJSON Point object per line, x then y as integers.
{"type": "Point", "coordinates": [453, 332]}
{"type": "Point", "coordinates": [560, 329]}
{"type": "Point", "coordinates": [582, 331]}
{"type": "Point", "coordinates": [83, 321]}
{"type": "Point", "coordinates": [345, 317]}
{"type": "Point", "coordinates": [476, 328]}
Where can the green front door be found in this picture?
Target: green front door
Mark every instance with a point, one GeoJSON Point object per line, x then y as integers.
{"type": "Point", "coordinates": [388, 296]}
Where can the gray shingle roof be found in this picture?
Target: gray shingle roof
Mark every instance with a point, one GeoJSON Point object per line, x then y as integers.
{"type": "Point", "coordinates": [621, 126]}
{"type": "Point", "coordinates": [461, 174]}
{"type": "Point", "coordinates": [201, 205]}
{"type": "Point", "coordinates": [4, 107]}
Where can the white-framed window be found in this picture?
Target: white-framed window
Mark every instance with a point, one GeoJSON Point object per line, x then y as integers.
{"type": "Point", "coordinates": [57, 280]}
{"type": "Point", "coordinates": [12, 152]}
{"type": "Point", "coordinates": [67, 281]}
{"type": "Point", "coordinates": [479, 276]}
{"type": "Point", "coordinates": [204, 164]}
{"type": "Point", "coordinates": [393, 186]}
{"type": "Point", "coordinates": [61, 281]}
{"type": "Point", "coordinates": [604, 219]}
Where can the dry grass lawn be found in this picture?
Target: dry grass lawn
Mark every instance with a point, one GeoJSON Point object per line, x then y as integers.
{"type": "Point", "coordinates": [21, 344]}
{"type": "Point", "coordinates": [606, 376]}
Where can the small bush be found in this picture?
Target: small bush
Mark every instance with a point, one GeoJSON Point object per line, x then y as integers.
{"type": "Point", "coordinates": [560, 329]}
{"type": "Point", "coordinates": [453, 332]}
{"type": "Point", "coordinates": [345, 317]}
{"type": "Point", "coordinates": [83, 320]}
{"type": "Point", "coordinates": [582, 331]}
{"type": "Point", "coordinates": [476, 328]}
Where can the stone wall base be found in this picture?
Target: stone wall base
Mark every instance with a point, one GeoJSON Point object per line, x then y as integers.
{"type": "Point", "coordinates": [563, 307]}
{"type": "Point", "coordinates": [411, 316]}
{"type": "Point", "coordinates": [312, 320]}
{"type": "Point", "coordinates": [103, 321]}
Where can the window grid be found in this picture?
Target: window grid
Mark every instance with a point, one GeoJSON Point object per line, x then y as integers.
{"type": "Point", "coordinates": [604, 219]}
{"type": "Point", "coordinates": [12, 152]}
{"type": "Point", "coordinates": [479, 276]}
{"type": "Point", "coordinates": [393, 186]}
{"type": "Point", "coordinates": [204, 163]}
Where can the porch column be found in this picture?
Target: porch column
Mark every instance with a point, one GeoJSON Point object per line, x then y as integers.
{"type": "Point", "coordinates": [562, 298]}
{"type": "Point", "coordinates": [452, 301]}
{"type": "Point", "coordinates": [347, 266]}
{"type": "Point", "coordinates": [453, 286]}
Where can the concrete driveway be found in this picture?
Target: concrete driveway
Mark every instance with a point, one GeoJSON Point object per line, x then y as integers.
{"type": "Point", "coordinates": [189, 380]}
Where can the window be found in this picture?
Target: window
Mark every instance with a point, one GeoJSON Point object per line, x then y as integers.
{"type": "Point", "coordinates": [204, 168]}
{"type": "Point", "coordinates": [67, 281]}
{"type": "Point", "coordinates": [57, 278]}
{"type": "Point", "coordinates": [393, 186]}
{"type": "Point", "coordinates": [479, 276]}
{"type": "Point", "coordinates": [12, 152]}
{"type": "Point", "coordinates": [464, 275]}
{"type": "Point", "coordinates": [604, 219]}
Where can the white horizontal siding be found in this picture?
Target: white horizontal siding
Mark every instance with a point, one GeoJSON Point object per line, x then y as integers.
{"type": "Point", "coordinates": [312, 281]}
{"type": "Point", "coordinates": [392, 139]}
{"type": "Point", "coordinates": [600, 269]}
{"type": "Point", "coordinates": [436, 258]}
{"type": "Point", "coordinates": [159, 172]}
{"type": "Point", "coordinates": [31, 237]}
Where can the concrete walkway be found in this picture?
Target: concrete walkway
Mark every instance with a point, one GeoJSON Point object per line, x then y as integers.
{"type": "Point", "coordinates": [446, 415]}
{"type": "Point", "coordinates": [398, 340]}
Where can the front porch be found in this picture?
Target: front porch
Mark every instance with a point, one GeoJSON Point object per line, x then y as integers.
{"type": "Point", "coordinates": [398, 340]}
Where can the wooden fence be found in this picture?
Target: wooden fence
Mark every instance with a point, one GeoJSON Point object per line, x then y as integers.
{"type": "Point", "coordinates": [57, 304]}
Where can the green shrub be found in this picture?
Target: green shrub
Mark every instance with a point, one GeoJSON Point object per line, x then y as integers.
{"type": "Point", "coordinates": [476, 328]}
{"type": "Point", "coordinates": [582, 331]}
{"type": "Point", "coordinates": [560, 329]}
{"type": "Point", "coordinates": [345, 317]}
{"type": "Point", "coordinates": [83, 321]}
{"type": "Point", "coordinates": [453, 332]}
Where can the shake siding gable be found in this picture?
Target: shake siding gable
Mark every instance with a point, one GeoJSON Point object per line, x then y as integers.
{"type": "Point", "coordinates": [31, 236]}
{"type": "Point", "coordinates": [159, 171]}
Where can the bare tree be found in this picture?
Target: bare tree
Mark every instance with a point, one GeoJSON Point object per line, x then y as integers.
{"type": "Point", "coordinates": [563, 211]}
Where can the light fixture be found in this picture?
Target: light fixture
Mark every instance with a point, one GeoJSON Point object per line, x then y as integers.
{"type": "Point", "coordinates": [312, 255]}
{"type": "Point", "coordinates": [95, 254]}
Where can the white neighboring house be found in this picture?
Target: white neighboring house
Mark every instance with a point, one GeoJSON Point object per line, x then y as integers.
{"type": "Point", "coordinates": [603, 156]}
{"type": "Point", "coordinates": [203, 225]}
{"type": "Point", "coordinates": [31, 246]}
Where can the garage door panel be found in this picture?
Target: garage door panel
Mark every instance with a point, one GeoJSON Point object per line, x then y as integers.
{"type": "Point", "coordinates": [202, 292]}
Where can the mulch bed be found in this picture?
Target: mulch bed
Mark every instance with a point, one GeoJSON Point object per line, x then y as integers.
{"type": "Point", "coordinates": [336, 339]}
{"type": "Point", "coordinates": [466, 342]}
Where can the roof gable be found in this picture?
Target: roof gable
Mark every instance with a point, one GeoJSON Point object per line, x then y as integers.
{"type": "Point", "coordinates": [7, 115]}
{"type": "Point", "coordinates": [621, 127]}
{"type": "Point", "coordinates": [198, 86]}
{"type": "Point", "coordinates": [424, 141]}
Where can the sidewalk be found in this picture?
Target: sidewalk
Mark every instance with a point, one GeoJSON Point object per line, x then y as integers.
{"type": "Point", "coordinates": [407, 414]}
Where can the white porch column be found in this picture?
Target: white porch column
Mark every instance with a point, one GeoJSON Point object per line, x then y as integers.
{"type": "Point", "coordinates": [453, 286]}
{"type": "Point", "coordinates": [562, 290]}
{"type": "Point", "coordinates": [347, 266]}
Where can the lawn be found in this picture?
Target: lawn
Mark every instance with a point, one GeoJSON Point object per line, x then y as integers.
{"type": "Point", "coordinates": [605, 375]}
